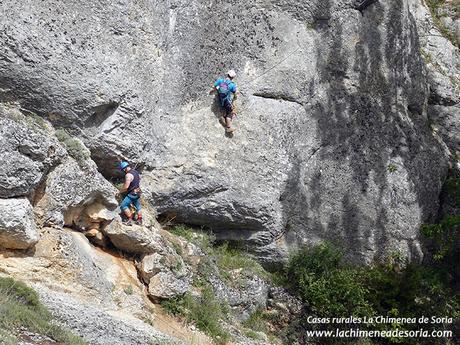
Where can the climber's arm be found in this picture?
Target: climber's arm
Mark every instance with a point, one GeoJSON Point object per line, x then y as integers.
{"type": "Point", "coordinates": [128, 179]}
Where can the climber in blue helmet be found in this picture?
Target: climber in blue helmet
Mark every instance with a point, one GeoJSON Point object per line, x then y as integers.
{"type": "Point", "coordinates": [132, 189]}
{"type": "Point", "coordinates": [226, 90]}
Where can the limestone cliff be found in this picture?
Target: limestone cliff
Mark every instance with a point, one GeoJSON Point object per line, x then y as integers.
{"type": "Point", "coordinates": [348, 121]}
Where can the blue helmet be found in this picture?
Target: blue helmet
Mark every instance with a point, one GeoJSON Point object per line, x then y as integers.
{"type": "Point", "coordinates": [123, 165]}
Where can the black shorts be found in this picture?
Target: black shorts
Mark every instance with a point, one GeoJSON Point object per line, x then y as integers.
{"type": "Point", "coordinates": [228, 107]}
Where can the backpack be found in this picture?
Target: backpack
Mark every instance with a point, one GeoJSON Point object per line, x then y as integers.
{"type": "Point", "coordinates": [224, 90]}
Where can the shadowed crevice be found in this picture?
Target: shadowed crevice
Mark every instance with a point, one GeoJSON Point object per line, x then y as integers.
{"type": "Point", "coordinates": [277, 96]}
{"type": "Point", "coordinates": [100, 113]}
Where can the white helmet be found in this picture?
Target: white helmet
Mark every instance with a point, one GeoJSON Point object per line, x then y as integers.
{"type": "Point", "coordinates": [231, 73]}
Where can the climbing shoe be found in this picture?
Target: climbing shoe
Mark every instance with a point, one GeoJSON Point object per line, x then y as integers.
{"type": "Point", "coordinates": [139, 221]}
{"type": "Point", "coordinates": [127, 222]}
{"type": "Point", "coordinates": [229, 129]}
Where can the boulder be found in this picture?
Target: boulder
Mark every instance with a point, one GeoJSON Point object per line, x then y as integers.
{"type": "Point", "coordinates": [244, 295]}
{"type": "Point", "coordinates": [167, 285]}
{"type": "Point", "coordinates": [29, 151]}
{"type": "Point", "coordinates": [151, 265]}
{"type": "Point", "coordinates": [17, 224]}
{"type": "Point", "coordinates": [165, 272]}
{"type": "Point", "coordinates": [98, 326]}
{"type": "Point", "coordinates": [132, 239]}
{"type": "Point", "coordinates": [77, 197]}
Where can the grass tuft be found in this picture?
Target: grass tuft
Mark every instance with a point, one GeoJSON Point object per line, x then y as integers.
{"type": "Point", "coordinates": [229, 258]}
{"type": "Point", "coordinates": [257, 321]}
{"type": "Point", "coordinates": [7, 338]}
{"type": "Point", "coordinates": [202, 239]}
{"type": "Point", "coordinates": [439, 9]}
{"type": "Point", "coordinates": [205, 312]}
{"type": "Point", "coordinates": [74, 147]}
{"type": "Point", "coordinates": [128, 290]}
{"type": "Point", "coordinates": [20, 307]}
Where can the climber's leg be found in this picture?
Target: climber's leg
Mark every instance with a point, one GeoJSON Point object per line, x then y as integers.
{"type": "Point", "coordinates": [125, 209]}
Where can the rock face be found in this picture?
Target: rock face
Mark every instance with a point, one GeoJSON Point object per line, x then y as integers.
{"type": "Point", "coordinates": [447, 123]}
{"type": "Point", "coordinates": [332, 139]}
{"type": "Point", "coordinates": [250, 295]}
{"type": "Point", "coordinates": [164, 271]}
{"type": "Point", "coordinates": [98, 327]}
{"type": "Point", "coordinates": [29, 151]}
{"type": "Point", "coordinates": [76, 197]}
{"type": "Point", "coordinates": [132, 239]}
{"type": "Point", "coordinates": [442, 61]}
{"type": "Point", "coordinates": [17, 224]}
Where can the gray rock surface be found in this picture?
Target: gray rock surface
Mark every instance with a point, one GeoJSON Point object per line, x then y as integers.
{"type": "Point", "coordinates": [76, 197]}
{"type": "Point", "coordinates": [167, 285]}
{"type": "Point", "coordinates": [280, 298]}
{"type": "Point", "coordinates": [133, 239]}
{"type": "Point", "coordinates": [446, 120]}
{"type": "Point", "coordinates": [332, 101]}
{"type": "Point", "coordinates": [442, 59]}
{"type": "Point", "coordinates": [17, 224]}
{"type": "Point", "coordinates": [29, 151]}
{"type": "Point", "coordinates": [246, 296]}
{"type": "Point", "coordinates": [165, 272]}
{"type": "Point", "coordinates": [98, 327]}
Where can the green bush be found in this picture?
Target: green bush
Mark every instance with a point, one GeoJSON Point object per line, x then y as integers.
{"type": "Point", "coordinates": [20, 308]}
{"type": "Point", "coordinates": [453, 187]}
{"type": "Point", "coordinates": [331, 289]}
{"type": "Point", "coordinates": [225, 256]}
{"type": "Point", "coordinates": [314, 262]}
{"type": "Point", "coordinates": [392, 168]}
{"type": "Point", "coordinates": [205, 312]}
{"type": "Point", "coordinates": [178, 305]}
{"type": "Point", "coordinates": [128, 290]}
{"type": "Point", "coordinates": [204, 270]}
{"type": "Point", "coordinates": [443, 236]}
{"type": "Point", "coordinates": [328, 289]}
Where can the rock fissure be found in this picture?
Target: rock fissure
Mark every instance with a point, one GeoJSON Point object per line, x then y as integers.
{"type": "Point", "coordinates": [278, 97]}
{"type": "Point", "coordinates": [101, 113]}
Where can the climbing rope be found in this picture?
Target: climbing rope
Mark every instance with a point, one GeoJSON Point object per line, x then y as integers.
{"type": "Point", "coordinates": [362, 6]}
{"type": "Point", "coordinates": [274, 66]}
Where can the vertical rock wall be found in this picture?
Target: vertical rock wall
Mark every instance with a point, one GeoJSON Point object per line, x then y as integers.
{"type": "Point", "coordinates": [332, 141]}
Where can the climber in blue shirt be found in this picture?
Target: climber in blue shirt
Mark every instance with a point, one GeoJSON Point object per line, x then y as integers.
{"type": "Point", "coordinates": [226, 90]}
